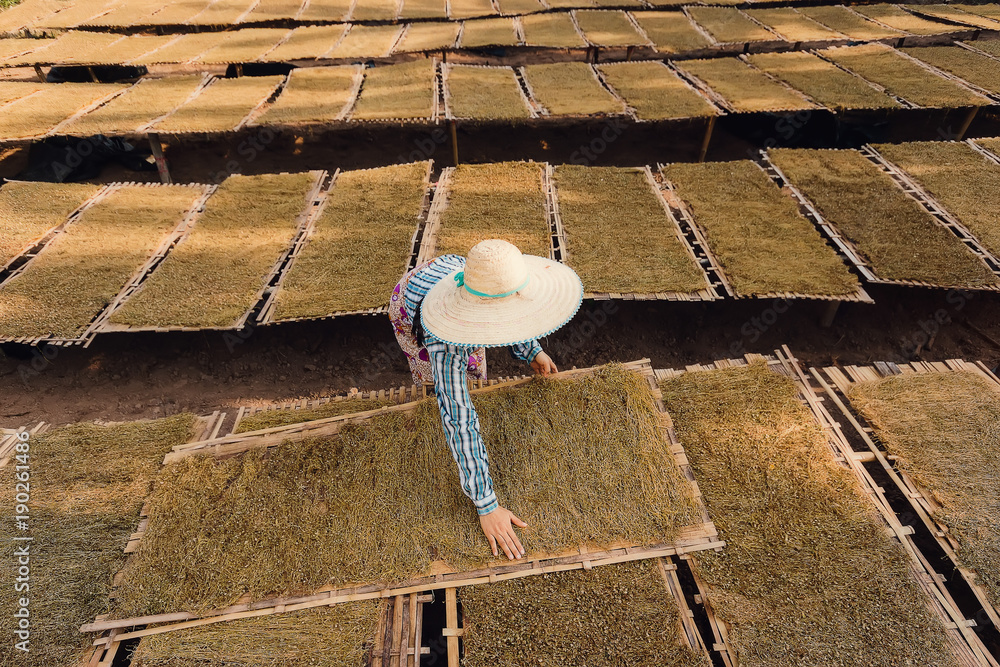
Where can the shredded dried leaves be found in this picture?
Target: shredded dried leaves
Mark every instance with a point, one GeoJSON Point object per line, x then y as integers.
{"type": "Point", "coordinates": [423, 9]}
{"type": "Point", "coordinates": [552, 30]}
{"type": "Point", "coordinates": [502, 200]}
{"type": "Point", "coordinates": [900, 19]}
{"type": "Point", "coordinates": [485, 93]}
{"type": "Point", "coordinates": [518, 7]}
{"type": "Point", "coordinates": [745, 88]}
{"type": "Point", "coordinates": [582, 461]}
{"type": "Point", "coordinates": [792, 25]}
{"type": "Point", "coordinates": [271, 10]}
{"type": "Point", "coordinates": [72, 47]}
{"type": "Point", "coordinates": [957, 14]}
{"type": "Point", "coordinates": [337, 636]}
{"type": "Point", "coordinates": [78, 274]}
{"type": "Point", "coordinates": [963, 180]}
{"type": "Point", "coordinates": [326, 10]}
{"type": "Point", "coordinates": [898, 237]}
{"type": "Point", "coordinates": [570, 89]}
{"type": "Point", "coordinates": [88, 483]}
{"type": "Point", "coordinates": [762, 241]}
{"type": "Point", "coordinates": [408, 90]}
{"type": "Point", "coordinates": [428, 36]}
{"type": "Point", "coordinates": [822, 81]}
{"type": "Point", "coordinates": [489, 32]}
{"type": "Point", "coordinates": [366, 41]}
{"type": "Point", "coordinates": [728, 25]}
{"type": "Point", "coordinates": [244, 46]}
{"type": "Point", "coordinates": [272, 418]}
{"type": "Point", "coordinates": [945, 430]}
{"type": "Point", "coordinates": [214, 275]}
{"type": "Point", "coordinates": [975, 68]}
{"type": "Point", "coordinates": [221, 106]}
{"type": "Point", "coordinates": [808, 576]}
{"type": "Point", "coordinates": [612, 615]}
{"type": "Point", "coordinates": [467, 9]}
{"type": "Point", "coordinates": [138, 106]}
{"type": "Point", "coordinates": [655, 92]}
{"type": "Point", "coordinates": [990, 145]}
{"type": "Point", "coordinates": [29, 209]}
{"type": "Point", "coordinates": [843, 20]}
{"type": "Point", "coordinates": [40, 113]}
{"type": "Point", "coordinates": [306, 43]}
{"type": "Point", "coordinates": [223, 12]}
{"type": "Point", "coordinates": [360, 246]}
{"type": "Point", "coordinates": [903, 77]}
{"type": "Point", "coordinates": [313, 95]}
{"type": "Point", "coordinates": [671, 32]}
{"type": "Point", "coordinates": [186, 48]}
{"type": "Point", "coordinates": [615, 207]}
{"type": "Point", "coordinates": [608, 28]}
{"type": "Point", "coordinates": [374, 10]}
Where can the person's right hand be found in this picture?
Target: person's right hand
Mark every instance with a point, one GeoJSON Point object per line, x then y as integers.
{"type": "Point", "coordinates": [499, 531]}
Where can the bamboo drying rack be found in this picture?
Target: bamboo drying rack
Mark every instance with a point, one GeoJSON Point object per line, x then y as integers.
{"type": "Point", "coordinates": [835, 383]}
{"type": "Point", "coordinates": [962, 639]}
{"type": "Point", "coordinates": [692, 538]}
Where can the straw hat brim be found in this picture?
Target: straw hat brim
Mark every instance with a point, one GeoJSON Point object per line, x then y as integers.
{"type": "Point", "coordinates": [453, 315]}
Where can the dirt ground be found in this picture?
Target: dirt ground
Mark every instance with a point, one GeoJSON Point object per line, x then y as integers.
{"type": "Point", "coordinates": [132, 376]}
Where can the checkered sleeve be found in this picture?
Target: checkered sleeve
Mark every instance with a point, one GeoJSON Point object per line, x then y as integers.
{"type": "Point", "coordinates": [525, 351]}
{"type": "Point", "coordinates": [461, 424]}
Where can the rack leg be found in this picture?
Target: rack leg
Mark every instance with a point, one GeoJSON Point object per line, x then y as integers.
{"type": "Point", "coordinates": [967, 123]}
{"type": "Point", "coordinates": [454, 142]}
{"type": "Point", "coordinates": [451, 630]}
{"type": "Point", "coordinates": [708, 137]}
{"type": "Point", "coordinates": [39, 73]}
{"type": "Point", "coordinates": [161, 162]}
{"type": "Point", "coordinates": [829, 314]}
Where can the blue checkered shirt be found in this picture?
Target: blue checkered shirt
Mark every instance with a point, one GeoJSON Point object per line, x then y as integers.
{"type": "Point", "coordinates": [458, 415]}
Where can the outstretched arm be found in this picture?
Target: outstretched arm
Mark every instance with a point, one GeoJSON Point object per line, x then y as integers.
{"type": "Point", "coordinates": [461, 429]}
{"type": "Point", "coordinates": [531, 352]}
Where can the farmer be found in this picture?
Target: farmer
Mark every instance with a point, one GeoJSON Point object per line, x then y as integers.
{"type": "Point", "coordinates": [445, 312]}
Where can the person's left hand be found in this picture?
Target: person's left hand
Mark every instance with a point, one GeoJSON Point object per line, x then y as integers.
{"type": "Point", "coordinates": [542, 364]}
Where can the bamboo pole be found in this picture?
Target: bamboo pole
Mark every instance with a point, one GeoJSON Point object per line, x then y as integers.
{"type": "Point", "coordinates": [451, 629]}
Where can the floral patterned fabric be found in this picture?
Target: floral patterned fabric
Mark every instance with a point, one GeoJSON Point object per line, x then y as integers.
{"type": "Point", "coordinates": [417, 355]}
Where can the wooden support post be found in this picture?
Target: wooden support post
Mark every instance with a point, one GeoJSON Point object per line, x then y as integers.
{"type": "Point", "coordinates": [708, 137]}
{"type": "Point", "coordinates": [412, 641]}
{"type": "Point", "coordinates": [968, 121]}
{"type": "Point", "coordinates": [399, 618]}
{"type": "Point", "coordinates": [628, 53]}
{"type": "Point", "coordinates": [451, 623]}
{"type": "Point", "coordinates": [239, 69]}
{"type": "Point", "coordinates": [39, 73]}
{"type": "Point", "coordinates": [161, 162]}
{"type": "Point", "coordinates": [829, 314]}
{"type": "Point", "coordinates": [454, 142]}
{"type": "Point", "coordinates": [93, 74]}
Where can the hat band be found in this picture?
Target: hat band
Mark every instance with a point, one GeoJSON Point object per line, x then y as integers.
{"type": "Point", "coordinates": [460, 279]}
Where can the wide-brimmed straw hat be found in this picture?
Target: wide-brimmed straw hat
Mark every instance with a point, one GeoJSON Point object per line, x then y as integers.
{"type": "Point", "coordinates": [501, 298]}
